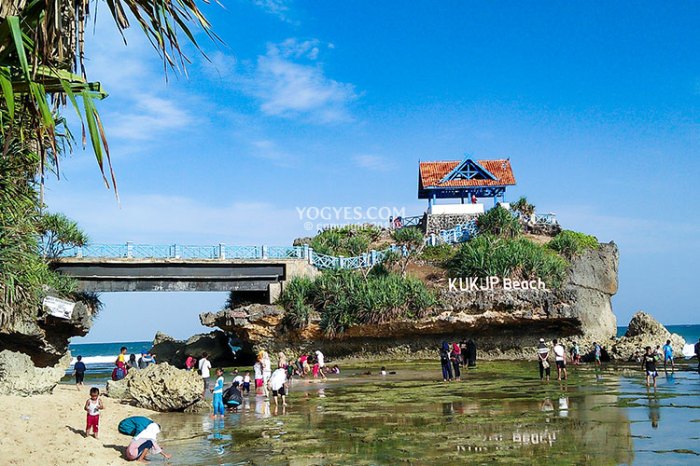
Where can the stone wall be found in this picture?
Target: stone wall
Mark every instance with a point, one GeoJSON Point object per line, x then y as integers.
{"type": "Point", "coordinates": [436, 223]}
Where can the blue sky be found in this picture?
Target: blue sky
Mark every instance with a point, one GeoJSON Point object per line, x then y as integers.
{"type": "Point", "coordinates": [312, 104]}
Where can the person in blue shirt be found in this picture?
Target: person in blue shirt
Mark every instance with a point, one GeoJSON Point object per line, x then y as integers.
{"type": "Point", "coordinates": [668, 354]}
{"type": "Point", "coordinates": [218, 391]}
{"type": "Point", "coordinates": [79, 369]}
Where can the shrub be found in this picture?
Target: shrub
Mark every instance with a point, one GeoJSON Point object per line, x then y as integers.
{"type": "Point", "coordinates": [344, 298]}
{"type": "Point", "coordinates": [518, 258]}
{"type": "Point", "coordinates": [351, 240]}
{"type": "Point", "coordinates": [498, 222]}
{"type": "Point", "coordinates": [440, 253]}
{"type": "Point", "coordinates": [523, 207]}
{"type": "Point", "coordinates": [570, 243]}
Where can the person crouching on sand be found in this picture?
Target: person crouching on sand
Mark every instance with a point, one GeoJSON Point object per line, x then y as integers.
{"type": "Point", "coordinates": [93, 406]}
{"type": "Point", "coordinates": [145, 443]}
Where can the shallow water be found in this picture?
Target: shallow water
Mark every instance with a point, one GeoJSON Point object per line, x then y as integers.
{"type": "Point", "coordinates": [500, 412]}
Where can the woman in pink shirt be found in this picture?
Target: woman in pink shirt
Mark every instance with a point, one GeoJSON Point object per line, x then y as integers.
{"type": "Point", "coordinates": [145, 443]}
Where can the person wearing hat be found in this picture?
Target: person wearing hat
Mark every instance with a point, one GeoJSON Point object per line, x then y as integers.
{"type": "Point", "coordinates": [543, 360]}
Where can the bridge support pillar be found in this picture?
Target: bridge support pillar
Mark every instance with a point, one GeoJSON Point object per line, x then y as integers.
{"type": "Point", "coordinates": [274, 290]}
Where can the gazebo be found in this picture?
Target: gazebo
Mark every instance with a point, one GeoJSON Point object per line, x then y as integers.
{"type": "Point", "coordinates": [466, 179]}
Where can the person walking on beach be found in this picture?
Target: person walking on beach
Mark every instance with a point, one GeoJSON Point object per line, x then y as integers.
{"type": "Point", "coordinates": [543, 359]}
{"type": "Point", "coordinates": [649, 365]}
{"type": "Point", "coordinates": [93, 406]}
{"type": "Point", "coordinates": [445, 362]}
{"type": "Point", "coordinates": [597, 353]}
{"type": "Point", "coordinates": [218, 391]}
{"type": "Point", "coordinates": [204, 371]}
{"type": "Point", "coordinates": [668, 354]}
{"type": "Point", "coordinates": [456, 359]}
{"type": "Point", "coordinates": [79, 369]}
{"type": "Point", "coordinates": [560, 359]}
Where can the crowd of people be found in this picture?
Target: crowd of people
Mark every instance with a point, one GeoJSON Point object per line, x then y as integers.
{"type": "Point", "coordinates": [455, 356]}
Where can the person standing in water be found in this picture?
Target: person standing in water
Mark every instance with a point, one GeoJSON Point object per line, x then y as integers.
{"type": "Point", "coordinates": [204, 368]}
{"type": "Point", "coordinates": [445, 362]}
{"type": "Point", "coordinates": [560, 359]}
{"type": "Point", "coordinates": [668, 354]}
{"type": "Point", "coordinates": [597, 351]}
{"type": "Point", "coordinates": [543, 359]}
{"type": "Point", "coordinates": [649, 365]}
{"type": "Point", "coordinates": [456, 359]}
{"type": "Point", "coordinates": [218, 391]}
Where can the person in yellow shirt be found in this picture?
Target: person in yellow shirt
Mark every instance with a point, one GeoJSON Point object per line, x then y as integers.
{"type": "Point", "coordinates": [122, 355]}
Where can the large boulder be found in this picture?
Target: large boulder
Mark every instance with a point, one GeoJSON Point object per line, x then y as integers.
{"type": "Point", "coordinates": [19, 376]}
{"type": "Point", "coordinates": [174, 352]}
{"type": "Point", "coordinates": [159, 387]}
{"type": "Point", "coordinates": [642, 331]}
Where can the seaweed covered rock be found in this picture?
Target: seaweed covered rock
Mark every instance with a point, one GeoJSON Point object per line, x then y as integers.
{"type": "Point", "coordinates": [159, 387]}
{"type": "Point", "coordinates": [19, 376]}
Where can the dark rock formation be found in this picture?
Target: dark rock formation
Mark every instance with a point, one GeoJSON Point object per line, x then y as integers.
{"type": "Point", "coordinates": [175, 352]}
{"type": "Point", "coordinates": [504, 323]}
{"type": "Point", "coordinates": [642, 331]}
{"type": "Point", "coordinates": [160, 387]}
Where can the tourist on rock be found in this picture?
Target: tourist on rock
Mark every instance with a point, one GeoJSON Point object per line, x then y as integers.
{"type": "Point", "coordinates": [204, 368]}
{"type": "Point", "coordinates": [543, 359]}
{"type": "Point", "coordinates": [456, 359]}
{"type": "Point", "coordinates": [649, 365]}
{"type": "Point", "coordinates": [445, 362]}
{"type": "Point", "coordinates": [143, 363]}
{"type": "Point", "coordinates": [79, 369]}
{"type": "Point", "coordinates": [668, 354]}
{"type": "Point", "coordinates": [132, 364]}
{"type": "Point", "coordinates": [560, 359]}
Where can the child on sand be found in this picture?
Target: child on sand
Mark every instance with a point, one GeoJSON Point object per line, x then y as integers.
{"type": "Point", "coordinates": [79, 369]}
{"type": "Point", "coordinates": [218, 391]}
{"type": "Point", "coordinates": [93, 406]}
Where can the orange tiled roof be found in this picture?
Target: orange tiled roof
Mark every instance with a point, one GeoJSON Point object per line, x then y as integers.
{"type": "Point", "coordinates": [432, 172]}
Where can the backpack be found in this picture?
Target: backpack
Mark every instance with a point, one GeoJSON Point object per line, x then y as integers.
{"type": "Point", "coordinates": [118, 373]}
{"type": "Point", "coordinates": [134, 425]}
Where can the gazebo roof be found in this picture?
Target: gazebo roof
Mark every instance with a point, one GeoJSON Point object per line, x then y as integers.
{"type": "Point", "coordinates": [460, 176]}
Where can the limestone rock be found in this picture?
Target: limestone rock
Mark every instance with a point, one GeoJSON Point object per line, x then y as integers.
{"type": "Point", "coordinates": [19, 376]}
{"type": "Point", "coordinates": [175, 352]}
{"type": "Point", "coordinates": [642, 331]}
{"type": "Point", "coordinates": [159, 387]}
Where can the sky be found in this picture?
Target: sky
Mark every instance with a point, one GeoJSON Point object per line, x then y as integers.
{"type": "Point", "coordinates": [314, 104]}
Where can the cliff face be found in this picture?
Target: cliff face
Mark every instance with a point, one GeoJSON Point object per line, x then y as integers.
{"type": "Point", "coordinates": [503, 323]}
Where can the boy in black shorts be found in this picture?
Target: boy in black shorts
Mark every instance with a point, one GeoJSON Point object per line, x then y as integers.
{"type": "Point", "coordinates": [649, 365]}
{"type": "Point", "coordinates": [79, 369]}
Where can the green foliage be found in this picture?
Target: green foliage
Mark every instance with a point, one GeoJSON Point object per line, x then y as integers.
{"type": "Point", "coordinates": [518, 258]}
{"type": "Point", "coordinates": [59, 234]}
{"type": "Point", "coordinates": [570, 243]}
{"type": "Point", "coordinates": [411, 237]}
{"type": "Point", "coordinates": [522, 206]}
{"type": "Point", "coordinates": [348, 241]}
{"type": "Point", "coordinates": [498, 222]}
{"type": "Point", "coordinates": [344, 298]}
{"type": "Point", "coordinates": [440, 253]}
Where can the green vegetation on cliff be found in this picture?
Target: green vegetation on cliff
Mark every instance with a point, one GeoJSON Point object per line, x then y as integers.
{"type": "Point", "coordinates": [498, 222]}
{"type": "Point", "coordinates": [343, 298]}
{"type": "Point", "coordinates": [570, 243]}
{"type": "Point", "coordinates": [519, 258]}
{"type": "Point", "coordinates": [348, 241]}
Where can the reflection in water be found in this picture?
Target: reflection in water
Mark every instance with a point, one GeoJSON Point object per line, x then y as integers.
{"type": "Point", "coordinates": [654, 408]}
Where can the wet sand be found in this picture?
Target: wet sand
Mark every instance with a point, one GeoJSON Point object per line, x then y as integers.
{"type": "Point", "coordinates": [49, 430]}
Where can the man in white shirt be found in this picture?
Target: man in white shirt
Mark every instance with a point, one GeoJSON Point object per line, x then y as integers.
{"type": "Point", "coordinates": [277, 381]}
{"type": "Point", "coordinates": [204, 368]}
{"type": "Point", "coordinates": [237, 377]}
{"type": "Point", "coordinates": [560, 359]}
{"type": "Point", "coordinates": [321, 363]}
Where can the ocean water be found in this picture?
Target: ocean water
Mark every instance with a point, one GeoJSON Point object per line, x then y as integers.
{"type": "Point", "coordinates": [691, 334]}
{"type": "Point", "coordinates": [100, 357]}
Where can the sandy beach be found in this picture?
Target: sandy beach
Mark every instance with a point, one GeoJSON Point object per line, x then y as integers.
{"type": "Point", "coordinates": [49, 430]}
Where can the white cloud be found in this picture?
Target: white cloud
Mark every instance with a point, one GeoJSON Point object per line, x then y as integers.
{"type": "Point", "coordinates": [289, 82]}
{"type": "Point", "coordinates": [279, 8]}
{"type": "Point", "coordinates": [148, 117]}
{"type": "Point", "coordinates": [373, 162]}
